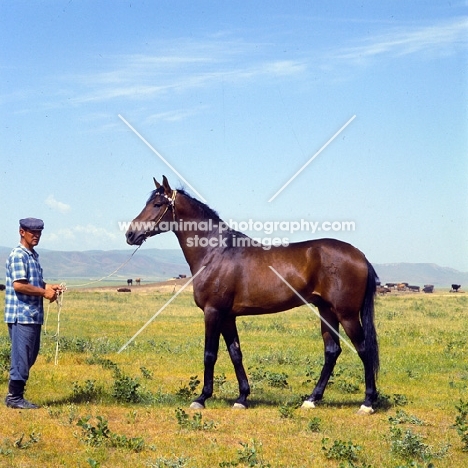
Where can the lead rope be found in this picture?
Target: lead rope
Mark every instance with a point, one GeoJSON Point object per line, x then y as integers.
{"type": "Point", "coordinates": [59, 301]}
{"type": "Point", "coordinates": [113, 273]}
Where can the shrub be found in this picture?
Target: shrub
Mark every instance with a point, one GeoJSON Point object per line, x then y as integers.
{"type": "Point", "coordinates": [314, 424]}
{"type": "Point", "coordinates": [188, 391]}
{"type": "Point", "coordinates": [461, 423]}
{"type": "Point", "coordinates": [125, 389]}
{"type": "Point", "coordinates": [273, 379]}
{"type": "Point", "coordinates": [250, 455]}
{"type": "Point", "coordinates": [342, 451]}
{"type": "Point", "coordinates": [101, 435]}
{"type": "Point", "coordinates": [409, 445]}
{"type": "Point", "coordinates": [86, 393]}
{"type": "Point", "coordinates": [196, 423]}
{"type": "Point", "coordinates": [402, 417]}
{"type": "Point", "coordinates": [286, 411]}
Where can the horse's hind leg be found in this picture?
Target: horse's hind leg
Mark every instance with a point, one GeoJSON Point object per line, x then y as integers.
{"type": "Point", "coordinates": [331, 340]}
{"type": "Point", "coordinates": [231, 337]}
{"type": "Point", "coordinates": [355, 332]}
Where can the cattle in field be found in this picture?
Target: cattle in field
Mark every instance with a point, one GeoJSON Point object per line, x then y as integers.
{"type": "Point", "coordinates": [414, 288]}
{"type": "Point", "coordinates": [138, 281]}
{"type": "Point", "coordinates": [124, 290]}
{"type": "Point", "coordinates": [2, 287]}
{"type": "Point", "coordinates": [455, 287]}
{"type": "Point", "coordinates": [129, 282]}
{"type": "Point", "coordinates": [182, 276]}
{"type": "Point", "coordinates": [428, 288]}
{"type": "Point", "coordinates": [391, 285]}
{"type": "Point", "coordinates": [382, 290]}
{"type": "Point", "coordinates": [402, 286]}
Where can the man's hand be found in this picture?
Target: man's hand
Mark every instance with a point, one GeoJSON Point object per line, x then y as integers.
{"type": "Point", "coordinates": [50, 291]}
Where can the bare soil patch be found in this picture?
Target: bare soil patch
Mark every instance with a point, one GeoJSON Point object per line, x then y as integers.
{"type": "Point", "coordinates": [172, 285]}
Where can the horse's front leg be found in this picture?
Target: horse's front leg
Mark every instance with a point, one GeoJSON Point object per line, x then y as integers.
{"type": "Point", "coordinates": [231, 337]}
{"type": "Point", "coordinates": [213, 322]}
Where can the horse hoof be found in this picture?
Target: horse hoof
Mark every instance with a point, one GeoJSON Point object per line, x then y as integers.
{"type": "Point", "coordinates": [239, 406]}
{"type": "Point", "coordinates": [196, 405]}
{"type": "Point", "coordinates": [365, 410]}
{"type": "Point", "coordinates": [308, 404]}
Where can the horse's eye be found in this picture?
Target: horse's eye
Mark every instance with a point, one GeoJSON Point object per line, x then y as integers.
{"type": "Point", "coordinates": [157, 204]}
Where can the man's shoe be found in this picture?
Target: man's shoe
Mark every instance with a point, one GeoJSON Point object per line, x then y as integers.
{"type": "Point", "coordinates": [19, 403]}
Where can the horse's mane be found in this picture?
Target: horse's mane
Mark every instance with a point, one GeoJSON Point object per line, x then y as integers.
{"type": "Point", "coordinates": [209, 213]}
{"type": "Point", "coordinates": [205, 211]}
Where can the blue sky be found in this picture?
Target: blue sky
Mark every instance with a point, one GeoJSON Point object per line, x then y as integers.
{"type": "Point", "coordinates": [237, 97]}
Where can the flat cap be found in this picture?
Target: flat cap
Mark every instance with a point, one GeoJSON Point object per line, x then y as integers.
{"type": "Point", "coordinates": [32, 224]}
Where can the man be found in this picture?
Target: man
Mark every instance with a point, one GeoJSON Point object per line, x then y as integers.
{"type": "Point", "coordinates": [24, 310]}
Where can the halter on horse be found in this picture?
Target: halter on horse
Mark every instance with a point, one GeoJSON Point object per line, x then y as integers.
{"type": "Point", "coordinates": [249, 280]}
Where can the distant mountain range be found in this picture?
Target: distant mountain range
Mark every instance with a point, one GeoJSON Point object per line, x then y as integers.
{"type": "Point", "coordinates": [419, 274]}
{"type": "Point", "coordinates": [148, 264]}
{"type": "Point", "coordinates": [159, 265]}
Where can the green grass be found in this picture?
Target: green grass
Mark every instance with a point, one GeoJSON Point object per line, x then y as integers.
{"type": "Point", "coordinates": [101, 408]}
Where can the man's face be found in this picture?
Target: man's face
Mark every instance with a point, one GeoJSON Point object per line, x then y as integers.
{"type": "Point", "coordinates": [30, 238]}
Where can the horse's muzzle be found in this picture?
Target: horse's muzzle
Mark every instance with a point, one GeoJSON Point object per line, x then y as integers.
{"type": "Point", "coordinates": [135, 238]}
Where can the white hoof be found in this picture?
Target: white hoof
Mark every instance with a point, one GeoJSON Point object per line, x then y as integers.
{"type": "Point", "coordinates": [308, 404]}
{"type": "Point", "coordinates": [196, 405]}
{"type": "Point", "coordinates": [365, 410]}
{"type": "Point", "coordinates": [239, 406]}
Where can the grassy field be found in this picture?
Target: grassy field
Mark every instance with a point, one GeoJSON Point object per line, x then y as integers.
{"type": "Point", "coordinates": [102, 408]}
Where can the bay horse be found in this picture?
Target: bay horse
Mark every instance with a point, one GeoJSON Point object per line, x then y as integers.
{"type": "Point", "coordinates": [232, 280]}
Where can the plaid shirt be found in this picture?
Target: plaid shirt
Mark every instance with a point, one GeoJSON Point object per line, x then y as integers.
{"type": "Point", "coordinates": [22, 264]}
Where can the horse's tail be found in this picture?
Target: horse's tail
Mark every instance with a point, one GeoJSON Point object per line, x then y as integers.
{"type": "Point", "coordinates": [367, 319]}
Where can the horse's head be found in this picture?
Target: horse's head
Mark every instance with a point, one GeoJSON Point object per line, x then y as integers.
{"type": "Point", "coordinates": [158, 208]}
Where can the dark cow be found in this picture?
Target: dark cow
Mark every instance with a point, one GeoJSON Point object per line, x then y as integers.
{"type": "Point", "coordinates": [428, 288]}
{"type": "Point", "coordinates": [2, 287]}
{"type": "Point", "coordinates": [414, 288]}
{"type": "Point", "coordinates": [382, 290]}
{"type": "Point", "coordinates": [455, 287]}
{"type": "Point", "coordinates": [129, 282]}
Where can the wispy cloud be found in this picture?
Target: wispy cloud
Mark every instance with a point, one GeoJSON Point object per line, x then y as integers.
{"type": "Point", "coordinates": [183, 80]}
{"type": "Point", "coordinates": [175, 115]}
{"type": "Point", "coordinates": [57, 205]}
{"type": "Point", "coordinates": [183, 65]}
{"type": "Point", "coordinates": [442, 38]}
{"type": "Point", "coordinates": [178, 67]}
{"type": "Point", "coordinates": [82, 235]}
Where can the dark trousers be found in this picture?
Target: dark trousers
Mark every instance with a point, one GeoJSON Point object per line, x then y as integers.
{"type": "Point", "coordinates": [25, 344]}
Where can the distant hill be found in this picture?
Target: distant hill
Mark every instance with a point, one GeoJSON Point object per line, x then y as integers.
{"type": "Point", "coordinates": [159, 264]}
{"type": "Point", "coordinates": [420, 274]}
{"type": "Point", "coordinates": [148, 264]}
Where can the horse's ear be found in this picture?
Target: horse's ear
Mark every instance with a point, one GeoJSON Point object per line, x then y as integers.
{"type": "Point", "coordinates": [167, 187]}
{"type": "Point", "coordinates": [156, 183]}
